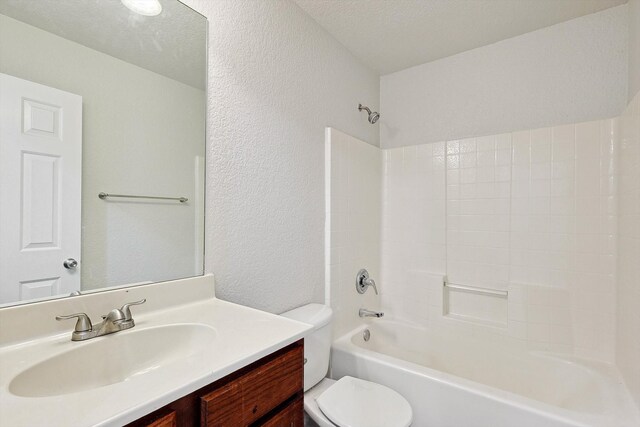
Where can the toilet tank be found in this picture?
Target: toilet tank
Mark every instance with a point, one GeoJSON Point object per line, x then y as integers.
{"type": "Point", "coordinates": [317, 344]}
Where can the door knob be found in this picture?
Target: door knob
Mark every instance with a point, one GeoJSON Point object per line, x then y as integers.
{"type": "Point", "coordinates": [70, 263]}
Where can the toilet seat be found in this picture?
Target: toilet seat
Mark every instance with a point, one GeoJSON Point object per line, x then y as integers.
{"type": "Point", "coordinates": [310, 405]}
{"type": "Point", "coordinates": [352, 402]}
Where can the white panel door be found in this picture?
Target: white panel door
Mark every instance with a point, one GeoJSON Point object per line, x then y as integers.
{"type": "Point", "coordinates": [40, 183]}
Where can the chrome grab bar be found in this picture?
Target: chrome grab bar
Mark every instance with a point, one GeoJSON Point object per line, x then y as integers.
{"type": "Point", "coordinates": [103, 196]}
{"type": "Point", "coordinates": [476, 289]}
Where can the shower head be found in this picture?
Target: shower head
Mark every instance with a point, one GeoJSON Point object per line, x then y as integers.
{"type": "Point", "coordinates": [373, 115]}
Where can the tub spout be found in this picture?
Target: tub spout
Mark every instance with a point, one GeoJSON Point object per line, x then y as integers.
{"type": "Point", "coordinates": [369, 313]}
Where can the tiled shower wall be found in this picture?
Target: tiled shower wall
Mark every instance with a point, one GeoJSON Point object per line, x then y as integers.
{"type": "Point", "coordinates": [413, 216]}
{"type": "Point", "coordinates": [530, 212]}
{"type": "Point", "coordinates": [628, 313]}
{"type": "Point", "coordinates": [353, 176]}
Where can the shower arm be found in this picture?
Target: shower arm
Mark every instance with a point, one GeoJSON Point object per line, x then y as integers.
{"type": "Point", "coordinates": [362, 107]}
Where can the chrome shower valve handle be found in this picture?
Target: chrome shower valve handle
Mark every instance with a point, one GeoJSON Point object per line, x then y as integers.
{"type": "Point", "coordinates": [363, 281]}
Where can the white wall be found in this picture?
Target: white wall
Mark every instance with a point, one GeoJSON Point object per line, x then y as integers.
{"type": "Point", "coordinates": [634, 48]}
{"type": "Point", "coordinates": [628, 216]}
{"type": "Point", "coordinates": [353, 200]}
{"type": "Point", "coordinates": [570, 72]}
{"type": "Point", "coordinates": [628, 280]}
{"type": "Point", "coordinates": [531, 212]}
{"type": "Point", "coordinates": [141, 133]}
{"type": "Point", "coordinates": [276, 80]}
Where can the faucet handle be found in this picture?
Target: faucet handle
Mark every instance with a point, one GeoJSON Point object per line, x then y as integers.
{"type": "Point", "coordinates": [371, 282]}
{"type": "Point", "coordinates": [82, 325]}
{"type": "Point", "coordinates": [127, 312]}
{"type": "Point", "coordinates": [363, 281]}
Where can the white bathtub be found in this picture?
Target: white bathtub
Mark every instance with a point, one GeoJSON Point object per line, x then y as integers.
{"type": "Point", "coordinates": [467, 383]}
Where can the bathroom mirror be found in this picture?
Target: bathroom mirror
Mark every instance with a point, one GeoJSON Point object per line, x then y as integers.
{"type": "Point", "coordinates": [100, 99]}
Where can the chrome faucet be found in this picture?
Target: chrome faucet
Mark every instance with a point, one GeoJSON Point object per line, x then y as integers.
{"type": "Point", "coordinates": [369, 313]}
{"type": "Point", "coordinates": [116, 320]}
{"type": "Point", "coordinates": [363, 281]}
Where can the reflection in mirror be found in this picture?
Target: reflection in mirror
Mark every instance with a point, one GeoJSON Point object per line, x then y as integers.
{"type": "Point", "coordinates": [98, 97]}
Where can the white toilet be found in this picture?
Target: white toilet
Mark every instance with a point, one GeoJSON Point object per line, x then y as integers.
{"type": "Point", "coordinates": [348, 402]}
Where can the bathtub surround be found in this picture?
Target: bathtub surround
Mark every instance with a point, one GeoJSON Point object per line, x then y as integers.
{"type": "Point", "coordinates": [628, 256]}
{"type": "Point", "coordinates": [276, 80]}
{"type": "Point", "coordinates": [530, 212]}
{"type": "Point", "coordinates": [352, 230]}
{"type": "Point", "coordinates": [515, 84]}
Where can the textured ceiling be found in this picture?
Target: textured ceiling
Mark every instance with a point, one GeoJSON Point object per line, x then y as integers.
{"type": "Point", "coordinates": [172, 44]}
{"type": "Point", "coordinates": [391, 35]}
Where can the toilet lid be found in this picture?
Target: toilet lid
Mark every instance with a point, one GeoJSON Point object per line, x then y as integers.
{"type": "Point", "coordinates": [352, 402]}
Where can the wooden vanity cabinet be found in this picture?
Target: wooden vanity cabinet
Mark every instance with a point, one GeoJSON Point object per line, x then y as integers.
{"type": "Point", "coordinates": [266, 393]}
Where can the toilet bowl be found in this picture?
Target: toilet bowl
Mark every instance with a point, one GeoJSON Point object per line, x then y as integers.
{"type": "Point", "coordinates": [348, 401]}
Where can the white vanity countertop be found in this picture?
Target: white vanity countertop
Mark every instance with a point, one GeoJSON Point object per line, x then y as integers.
{"type": "Point", "coordinates": [242, 336]}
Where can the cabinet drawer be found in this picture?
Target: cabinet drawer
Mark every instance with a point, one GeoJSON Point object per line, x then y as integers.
{"type": "Point", "coordinates": [269, 385]}
{"type": "Point", "coordinates": [222, 407]}
{"type": "Point", "coordinates": [291, 416]}
{"type": "Point", "coordinates": [168, 420]}
{"type": "Point", "coordinates": [256, 392]}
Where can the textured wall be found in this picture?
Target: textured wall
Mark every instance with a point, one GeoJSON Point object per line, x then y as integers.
{"type": "Point", "coordinates": [628, 315]}
{"type": "Point", "coordinates": [353, 234]}
{"type": "Point", "coordinates": [570, 72]}
{"type": "Point", "coordinates": [634, 48]}
{"type": "Point", "coordinates": [276, 80]}
{"type": "Point", "coordinates": [141, 133]}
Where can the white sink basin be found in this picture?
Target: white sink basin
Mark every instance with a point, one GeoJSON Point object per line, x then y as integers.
{"type": "Point", "coordinates": [114, 358]}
